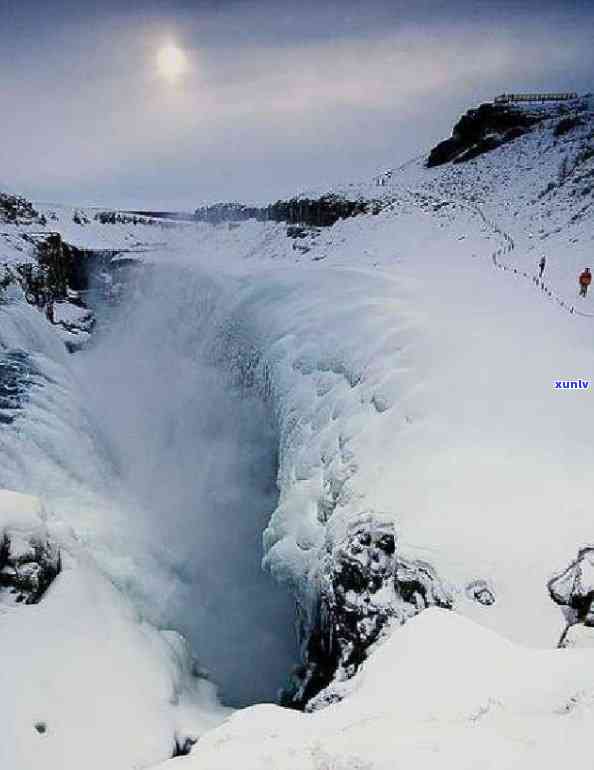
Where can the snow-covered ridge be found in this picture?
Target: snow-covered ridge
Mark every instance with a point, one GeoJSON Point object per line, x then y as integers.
{"type": "Point", "coordinates": [424, 454]}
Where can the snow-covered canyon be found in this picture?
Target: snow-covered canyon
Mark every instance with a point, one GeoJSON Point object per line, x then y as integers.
{"type": "Point", "coordinates": [375, 401]}
{"type": "Point", "coordinates": [185, 437]}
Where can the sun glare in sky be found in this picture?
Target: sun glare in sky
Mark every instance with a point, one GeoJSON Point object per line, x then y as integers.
{"type": "Point", "coordinates": [172, 62]}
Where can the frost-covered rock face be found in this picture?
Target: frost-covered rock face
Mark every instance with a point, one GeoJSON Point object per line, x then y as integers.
{"type": "Point", "coordinates": [28, 565]}
{"type": "Point", "coordinates": [480, 591]}
{"type": "Point", "coordinates": [29, 560]}
{"type": "Point", "coordinates": [365, 586]}
{"type": "Point", "coordinates": [322, 211]}
{"type": "Point", "coordinates": [482, 130]}
{"type": "Point", "coordinates": [45, 271]}
{"type": "Point", "coordinates": [17, 210]}
{"type": "Point", "coordinates": [573, 590]}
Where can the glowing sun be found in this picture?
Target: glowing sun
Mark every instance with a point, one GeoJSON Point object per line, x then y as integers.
{"type": "Point", "coordinates": [172, 62]}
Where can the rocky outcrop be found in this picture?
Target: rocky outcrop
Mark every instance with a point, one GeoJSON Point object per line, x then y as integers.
{"type": "Point", "coordinates": [481, 592]}
{"type": "Point", "coordinates": [117, 218]}
{"type": "Point", "coordinates": [366, 585]}
{"type": "Point", "coordinates": [565, 125]}
{"type": "Point", "coordinates": [220, 213]}
{"type": "Point", "coordinates": [28, 565]}
{"type": "Point", "coordinates": [163, 219]}
{"type": "Point", "coordinates": [16, 210]}
{"type": "Point", "coordinates": [482, 130]}
{"type": "Point", "coordinates": [313, 212]}
{"type": "Point", "coordinates": [573, 590]}
{"type": "Point", "coordinates": [51, 277]}
{"type": "Point", "coordinates": [48, 278]}
{"type": "Point", "coordinates": [320, 212]}
{"type": "Point", "coordinates": [54, 273]}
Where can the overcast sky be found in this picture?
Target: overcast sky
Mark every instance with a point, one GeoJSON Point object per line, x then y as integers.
{"type": "Point", "coordinates": [275, 96]}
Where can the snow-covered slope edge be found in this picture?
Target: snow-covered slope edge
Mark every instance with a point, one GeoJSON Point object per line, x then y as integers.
{"type": "Point", "coordinates": [441, 693]}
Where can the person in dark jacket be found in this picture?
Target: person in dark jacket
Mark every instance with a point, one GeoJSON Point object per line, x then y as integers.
{"type": "Point", "coordinates": [542, 265]}
{"type": "Point", "coordinates": [585, 281]}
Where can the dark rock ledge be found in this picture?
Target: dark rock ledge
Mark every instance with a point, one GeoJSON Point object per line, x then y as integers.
{"type": "Point", "coordinates": [573, 590]}
{"type": "Point", "coordinates": [366, 586]}
{"type": "Point", "coordinates": [28, 565]}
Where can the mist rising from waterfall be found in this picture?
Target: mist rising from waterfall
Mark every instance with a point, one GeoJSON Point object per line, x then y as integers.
{"type": "Point", "coordinates": [168, 472]}
{"type": "Point", "coordinates": [197, 458]}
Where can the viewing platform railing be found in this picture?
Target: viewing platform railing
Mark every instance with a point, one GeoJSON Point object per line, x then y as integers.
{"type": "Point", "coordinates": [546, 97]}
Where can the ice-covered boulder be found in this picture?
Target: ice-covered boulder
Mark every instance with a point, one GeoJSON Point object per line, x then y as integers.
{"type": "Point", "coordinates": [573, 591]}
{"type": "Point", "coordinates": [366, 584]}
{"type": "Point", "coordinates": [29, 560]}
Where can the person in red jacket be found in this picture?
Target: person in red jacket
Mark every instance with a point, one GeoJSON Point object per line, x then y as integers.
{"type": "Point", "coordinates": [585, 281]}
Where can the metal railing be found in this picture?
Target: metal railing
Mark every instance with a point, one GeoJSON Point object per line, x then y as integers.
{"type": "Point", "coordinates": [564, 96]}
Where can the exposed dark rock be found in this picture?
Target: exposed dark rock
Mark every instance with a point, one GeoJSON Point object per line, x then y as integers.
{"type": "Point", "coordinates": [162, 219]}
{"type": "Point", "coordinates": [487, 118]}
{"type": "Point", "coordinates": [444, 152]}
{"type": "Point", "coordinates": [314, 212]}
{"type": "Point", "coordinates": [228, 212]}
{"type": "Point", "coordinates": [480, 148]}
{"type": "Point", "coordinates": [317, 212]}
{"type": "Point", "coordinates": [365, 586]}
{"type": "Point", "coordinates": [170, 217]}
{"type": "Point", "coordinates": [18, 211]}
{"type": "Point", "coordinates": [480, 591]}
{"type": "Point", "coordinates": [118, 218]}
{"type": "Point", "coordinates": [80, 218]}
{"type": "Point", "coordinates": [482, 130]}
{"type": "Point", "coordinates": [573, 591]}
{"type": "Point", "coordinates": [51, 280]}
{"type": "Point", "coordinates": [28, 564]}
{"type": "Point", "coordinates": [566, 125]}
{"type": "Point", "coordinates": [299, 231]}
{"type": "Point", "coordinates": [183, 746]}
{"type": "Point", "coordinates": [515, 133]}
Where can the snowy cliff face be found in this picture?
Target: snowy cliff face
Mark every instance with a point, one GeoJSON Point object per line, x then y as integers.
{"type": "Point", "coordinates": [398, 372]}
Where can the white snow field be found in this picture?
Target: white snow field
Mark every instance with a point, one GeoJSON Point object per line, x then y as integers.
{"type": "Point", "coordinates": [403, 373]}
{"type": "Point", "coordinates": [441, 692]}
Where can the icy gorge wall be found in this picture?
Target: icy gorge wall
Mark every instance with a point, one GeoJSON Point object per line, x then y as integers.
{"type": "Point", "coordinates": [173, 429]}
{"type": "Point", "coordinates": [342, 562]}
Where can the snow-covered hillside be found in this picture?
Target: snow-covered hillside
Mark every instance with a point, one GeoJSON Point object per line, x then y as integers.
{"type": "Point", "coordinates": [407, 361]}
